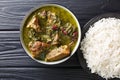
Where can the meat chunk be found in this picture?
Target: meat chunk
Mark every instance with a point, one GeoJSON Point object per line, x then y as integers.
{"type": "Point", "coordinates": [42, 14]}
{"type": "Point", "coordinates": [37, 47]}
{"type": "Point", "coordinates": [34, 24]}
{"type": "Point", "coordinates": [58, 53]}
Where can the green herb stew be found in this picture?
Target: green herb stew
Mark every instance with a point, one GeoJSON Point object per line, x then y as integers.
{"type": "Point", "coordinates": [50, 33]}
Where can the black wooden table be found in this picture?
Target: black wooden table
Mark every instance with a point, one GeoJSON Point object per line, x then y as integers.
{"type": "Point", "coordinates": [15, 64]}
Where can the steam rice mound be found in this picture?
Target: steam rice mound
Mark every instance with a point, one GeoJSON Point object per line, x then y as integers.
{"type": "Point", "coordinates": [101, 48]}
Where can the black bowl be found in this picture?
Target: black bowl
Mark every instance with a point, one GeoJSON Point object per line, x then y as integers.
{"type": "Point", "coordinates": [84, 30]}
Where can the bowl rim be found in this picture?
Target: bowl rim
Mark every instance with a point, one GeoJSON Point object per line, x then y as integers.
{"type": "Point", "coordinates": [58, 61]}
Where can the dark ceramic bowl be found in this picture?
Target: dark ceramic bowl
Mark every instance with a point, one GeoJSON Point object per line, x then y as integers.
{"type": "Point", "coordinates": [84, 30]}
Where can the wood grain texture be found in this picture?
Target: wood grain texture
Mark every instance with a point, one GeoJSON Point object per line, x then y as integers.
{"type": "Point", "coordinates": [12, 12]}
{"type": "Point", "coordinates": [12, 53]}
{"type": "Point", "coordinates": [43, 74]}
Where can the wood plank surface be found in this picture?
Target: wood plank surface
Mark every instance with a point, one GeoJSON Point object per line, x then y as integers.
{"type": "Point", "coordinates": [43, 74]}
{"type": "Point", "coordinates": [46, 74]}
{"type": "Point", "coordinates": [12, 12]}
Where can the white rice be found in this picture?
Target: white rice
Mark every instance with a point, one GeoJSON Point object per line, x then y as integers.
{"type": "Point", "coordinates": [101, 48]}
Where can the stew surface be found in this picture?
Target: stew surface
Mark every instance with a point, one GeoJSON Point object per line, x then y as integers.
{"type": "Point", "coordinates": [50, 33]}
